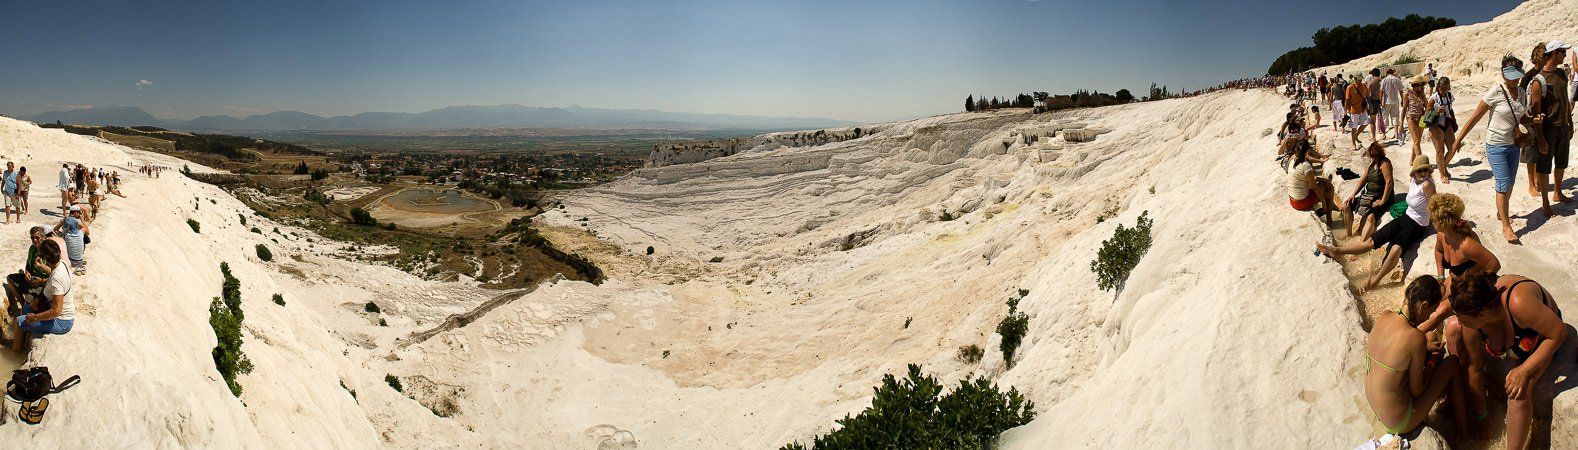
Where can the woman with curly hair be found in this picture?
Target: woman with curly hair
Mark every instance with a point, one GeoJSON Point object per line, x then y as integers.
{"type": "Point", "coordinates": [1515, 320]}
{"type": "Point", "coordinates": [1458, 249]}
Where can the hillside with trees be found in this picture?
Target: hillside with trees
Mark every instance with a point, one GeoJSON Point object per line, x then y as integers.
{"type": "Point", "coordinates": [1346, 43]}
{"type": "Point", "coordinates": [1043, 102]}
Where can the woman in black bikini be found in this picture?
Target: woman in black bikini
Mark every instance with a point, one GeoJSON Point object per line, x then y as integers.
{"type": "Point", "coordinates": [1513, 319]}
{"type": "Point", "coordinates": [1457, 249]}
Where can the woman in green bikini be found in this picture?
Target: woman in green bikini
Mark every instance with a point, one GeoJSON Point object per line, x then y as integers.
{"type": "Point", "coordinates": [1511, 318]}
{"type": "Point", "coordinates": [1404, 378]}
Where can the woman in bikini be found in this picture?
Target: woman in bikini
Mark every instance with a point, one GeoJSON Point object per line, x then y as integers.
{"type": "Point", "coordinates": [1370, 198]}
{"type": "Point", "coordinates": [1515, 320]}
{"type": "Point", "coordinates": [1458, 249]}
{"type": "Point", "coordinates": [1404, 377]}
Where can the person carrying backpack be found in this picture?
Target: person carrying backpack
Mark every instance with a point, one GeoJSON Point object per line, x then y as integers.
{"type": "Point", "coordinates": [1548, 96]}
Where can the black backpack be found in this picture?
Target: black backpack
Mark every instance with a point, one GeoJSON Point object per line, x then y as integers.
{"type": "Point", "coordinates": [30, 387]}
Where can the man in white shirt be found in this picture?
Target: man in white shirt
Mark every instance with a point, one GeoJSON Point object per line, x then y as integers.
{"type": "Point", "coordinates": [1392, 100]}
{"type": "Point", "coordinates": [64, 185]}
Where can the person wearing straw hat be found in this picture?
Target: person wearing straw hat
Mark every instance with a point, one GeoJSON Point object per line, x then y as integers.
{"type": "Point", "coordinates": [1407, 228]}
{"type": "Point", "coordinates": [1548, 96]}
{"type": "Point", "coordinates": [1507, 116]}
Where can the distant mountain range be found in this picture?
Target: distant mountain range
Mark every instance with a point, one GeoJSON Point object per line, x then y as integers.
{"type": "Point", "coordinates": [453, 117]}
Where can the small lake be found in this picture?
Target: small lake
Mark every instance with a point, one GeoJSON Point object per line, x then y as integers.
{"type": "Point", "coordinates": [448, 201]}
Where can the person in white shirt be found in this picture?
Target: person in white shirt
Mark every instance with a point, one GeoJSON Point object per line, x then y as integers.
{"type": "Point", "coordinates": [1505, 106]}
{"type": "Point", "coordinates": [1392, 101]}
{"type": "Point", "coordinates": [65, 185]}
{"type": "Point", "coordinates": [62, 308]}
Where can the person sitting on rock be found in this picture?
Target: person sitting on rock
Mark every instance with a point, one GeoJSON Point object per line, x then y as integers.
{"type": "Point", "coordinates": [74, 230]}
{"type": "Point", "coordinates": [1402, 233]}
{"type": "Point", "coordinates": [1404, 377]}
{"type": "Point", "coordinates": [30, 280]}
{"type": "Point", "coordinates": [1307, 190]}
{"type": "Point", "coordinates": [61, 310]}
{"type": "Point", "coordinates": [1514, 319]}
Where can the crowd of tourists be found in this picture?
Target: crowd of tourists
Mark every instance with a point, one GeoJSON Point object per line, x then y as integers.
{"type": "Point", "coordinates": [38, 295]}
{"type": "Point", "coordinates": [1471, 318]}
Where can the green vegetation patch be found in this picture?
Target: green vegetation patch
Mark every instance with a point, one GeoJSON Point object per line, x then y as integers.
{"type": "Point", "coordinates": [1121, 253]}
{"type": "Point", "coordinates": [225, 316]}
{"type": "Point", "coordinates": [914, 413]}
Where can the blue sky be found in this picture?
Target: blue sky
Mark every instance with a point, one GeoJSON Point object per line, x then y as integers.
{"type": "Point", "coordinates": [855, 60]}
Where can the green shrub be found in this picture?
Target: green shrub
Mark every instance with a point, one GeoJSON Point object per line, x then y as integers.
{"type": "Point", "coordinates": [230, 291]}
{"type": "Point", "coordinates": [225, 316]}
{"type": "Point", "coordinates": [1406, 59]}
{"type": "Point", "coordinates": [946, 217]}
{"type": "Point", "coordinates": [196, 227]}
{"type": "Point", "coordinates": [279, 300]}
{"type": "Point", "coordinates": [313, 195]}
{"type": "Point", "coordinates": [650, 250]}
{"type": "Point", "coordinates": [1119, 255]}
{"type": "Point", "coordinates": [914, 413]}
{"type": "Point", "coordinates": [256, 230]}
{"type": "Point", "coordinates": [372, 308]}
{"type": "Point", "coordinates": [1013, 328]}
{"type": "Point", "coordinates": [971, 354]}
{"type": "Point", "coordinates": [264, 254]}
{"type": "Point", "coordinates": [243, 219]}
{"type": "Point", "coordinates": [394, 383]}
{"type": "Point", "coordinates": [362, 217]}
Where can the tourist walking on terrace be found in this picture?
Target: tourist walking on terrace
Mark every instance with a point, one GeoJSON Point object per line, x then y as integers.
{"type": "Point", "coordinates": [24, 185]}
{"type": "Point", "coordinates": [65, 185]}
{"type": "Point", "coordinates": [1443, 127]}
{"type": "Point", "coordinates": [1414, 101]}
{"type": "Point", "coordinates": [1402, 233]}
{"type": "Point", "coordinates": [1548, 96]}
{"type": "Point", "coordinates": [61, 311]}
{"type": "Point", "coordinates": [1356, 101]}
{"type": "Point", "coordinates": [1507, 114]}
{"type": "Point", "coordinates": [1403, 376]}
{"type": "Point", "coordinates": [1372, 87]}
{"type": "Point", "coordinates": [8, 189]}
{"type": "Point", "coordinates": [1514, 319]}
{"type": "Point", "coordinates": [1392, 101]}
{"type": "Point", "coordinates": [1368, 202]}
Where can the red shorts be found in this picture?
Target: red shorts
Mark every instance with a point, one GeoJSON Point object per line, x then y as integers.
{"type": "Point", "coordinates": [1307, 203]}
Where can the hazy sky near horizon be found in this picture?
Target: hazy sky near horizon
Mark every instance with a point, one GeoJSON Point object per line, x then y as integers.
{"type": "Point", "coordinates": [854, 60]}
